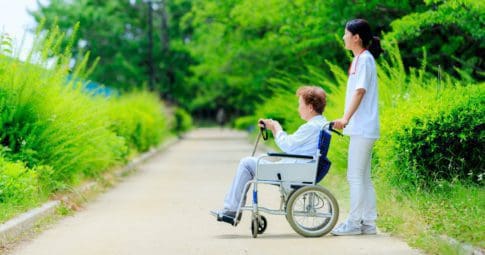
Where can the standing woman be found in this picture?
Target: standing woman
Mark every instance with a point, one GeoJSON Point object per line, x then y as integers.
{"type": "Point", "coordinates": [361, 123]}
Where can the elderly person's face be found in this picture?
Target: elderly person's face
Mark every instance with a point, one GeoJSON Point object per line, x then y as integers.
{"type": "Point", "coordinates": [304, 109]}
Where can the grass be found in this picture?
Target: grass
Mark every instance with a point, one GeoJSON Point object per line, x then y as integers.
{"type": "Point", "coordinates": [427, 219]}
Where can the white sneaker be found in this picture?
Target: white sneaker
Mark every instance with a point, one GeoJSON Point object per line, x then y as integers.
{"type": "Point", "coordinates": [345, 229]}
{"type": "Point", "coordinates": [369, 229]}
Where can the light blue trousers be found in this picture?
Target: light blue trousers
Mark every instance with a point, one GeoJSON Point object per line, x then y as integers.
{"type": "Point", "coordinates": [245, 172]}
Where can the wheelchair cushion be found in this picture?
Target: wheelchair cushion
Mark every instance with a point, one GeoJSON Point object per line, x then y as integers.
{"type": "Point", "coordinates": [323, 162]}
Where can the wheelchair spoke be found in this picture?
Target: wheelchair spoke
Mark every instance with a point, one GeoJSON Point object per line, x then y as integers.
{"type": "Point", "coordinates": [317, 215]}
{"type": "Point", "coordinates": [312, 211]}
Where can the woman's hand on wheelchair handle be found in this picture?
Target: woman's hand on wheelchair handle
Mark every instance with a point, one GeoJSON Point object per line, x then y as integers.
{"type": "Point", "coordinates": [340, 123]}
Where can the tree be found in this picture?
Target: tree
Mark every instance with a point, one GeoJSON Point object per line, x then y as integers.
{"type": "Point", "coordinates": [450, 31]}
{"type": "Point", "coordinates": [228, 54]}
{"type": "Point", "coordinates": [116, 31]}
{"type": "Point", "coordinates": [239, 45]}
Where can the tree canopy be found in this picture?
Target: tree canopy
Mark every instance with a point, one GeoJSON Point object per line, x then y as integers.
{"type": "Point", "coordinates": [211, 54]}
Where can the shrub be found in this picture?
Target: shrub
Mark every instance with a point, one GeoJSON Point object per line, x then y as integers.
{"type": "Point", "coordinates": [52, 124]}
{"type": "Point", "coordinates": [442, 139]}
{"type": "Point", "coordinates": [183, 121]}
{"type": "Point", "coordinates": [246, 123]}
{"type": "Point", "coordinates": [138, 118]}
{"type": "Point", "coordinates": [283, 107]}
{"type": "Point", "coordinates": [22, 188]}
{"type": "Point", "coordinates": [54, 132]}
{"type": "Point", "coordinates": [18, 184]}
{"type": "Point", "coordinates": [46, 120]}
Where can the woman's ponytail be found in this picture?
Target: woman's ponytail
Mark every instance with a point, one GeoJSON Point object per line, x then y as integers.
{"type": "Point", "coordinates": [375, 47]}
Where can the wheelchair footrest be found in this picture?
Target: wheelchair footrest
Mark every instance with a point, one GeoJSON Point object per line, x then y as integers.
{"type": "Point", "coordinates": [227, 219]}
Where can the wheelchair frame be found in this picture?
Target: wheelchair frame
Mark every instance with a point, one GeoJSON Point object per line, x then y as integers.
{"type": "Point", "coordinates": [293, 182]}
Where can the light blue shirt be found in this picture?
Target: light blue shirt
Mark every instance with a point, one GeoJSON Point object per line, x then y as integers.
{"type": "Point", "coordinates": [305, 140]}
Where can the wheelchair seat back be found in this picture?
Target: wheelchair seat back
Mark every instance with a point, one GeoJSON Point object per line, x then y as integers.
{"type": "Point", "coordinates": [323, 162]}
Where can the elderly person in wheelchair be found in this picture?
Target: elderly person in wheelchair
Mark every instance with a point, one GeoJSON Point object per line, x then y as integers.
{"type": "Point", "coordinates": [301, 146]}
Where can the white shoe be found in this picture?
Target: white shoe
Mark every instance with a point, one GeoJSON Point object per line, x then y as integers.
{"type": "Point", "coordinates": [369, 229]}
{"type": "Point", "coordinates": [345, 229]}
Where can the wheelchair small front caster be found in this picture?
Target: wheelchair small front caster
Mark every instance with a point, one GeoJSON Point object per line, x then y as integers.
{"type": "Point", "coordinates": [258, 225]}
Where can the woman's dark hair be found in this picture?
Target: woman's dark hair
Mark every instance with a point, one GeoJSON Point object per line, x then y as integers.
{"type": "Point", "coordinates": [362, 28]}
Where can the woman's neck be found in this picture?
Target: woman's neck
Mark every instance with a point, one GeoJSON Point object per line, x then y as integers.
{"type": "Point", "coordinates": [357, 50]}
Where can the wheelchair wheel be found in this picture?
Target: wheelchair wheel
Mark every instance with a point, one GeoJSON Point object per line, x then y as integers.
{"type": "Point", "coordinates": [254, 227]}
{"type": "Point", "coordinates": [258, 225]}
{"type": "Point", "coordinates": [312, 211]}
{"type": "Point", "coordinates": [262, 224]}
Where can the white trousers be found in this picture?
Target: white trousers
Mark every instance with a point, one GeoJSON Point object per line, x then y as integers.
{"type": "Point", "coordinates": [245, 172]}
{"type": "Point", "coordinates": [362, 193]}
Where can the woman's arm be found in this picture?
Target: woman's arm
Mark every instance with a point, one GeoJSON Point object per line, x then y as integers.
{"type": "Point", "coordinates": [285, 142]}
{"type": "Point", "coordinates": [354, 105]}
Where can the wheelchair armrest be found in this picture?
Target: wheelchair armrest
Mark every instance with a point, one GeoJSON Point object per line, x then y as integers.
{"type": "Point", "coordinates": [284, 155]}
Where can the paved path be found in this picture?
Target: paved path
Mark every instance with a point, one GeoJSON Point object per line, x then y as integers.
{"type": "Point", "coordinates": [164, 209]}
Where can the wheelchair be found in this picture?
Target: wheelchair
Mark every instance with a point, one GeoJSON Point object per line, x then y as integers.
{"type": "Point", "coordinates": [310, 209]}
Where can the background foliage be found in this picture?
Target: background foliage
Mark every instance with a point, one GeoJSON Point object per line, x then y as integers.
{"type": "Point", "coordinates": [116, 31]}
{"type": "Point", "coordinates": [248, 57]}
{"type": "Point", "coordinates": [427, 165]}
{"type": "Point", "coordinates": [224, 54]}
{"type": "Point", "coordinates": [55, 132]}
{"type": "Point", "coordinates": [439, 140]}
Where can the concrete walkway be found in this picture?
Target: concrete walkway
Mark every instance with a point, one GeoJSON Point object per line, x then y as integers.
{"type": "Point", "coordinates": [164, 209]}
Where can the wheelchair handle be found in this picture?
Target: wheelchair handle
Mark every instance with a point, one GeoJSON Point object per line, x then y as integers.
{"type": "Point", "coordinates": [330, 127]}
{"type": "Point", "coordinates": [263, 130]}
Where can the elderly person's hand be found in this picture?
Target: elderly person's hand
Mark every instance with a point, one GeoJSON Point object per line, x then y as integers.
{"type": "Point", "coordinates": [272, 125]}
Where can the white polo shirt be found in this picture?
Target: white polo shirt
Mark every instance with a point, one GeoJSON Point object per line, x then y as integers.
{"type": "Point", "coordinates": [363, 74]}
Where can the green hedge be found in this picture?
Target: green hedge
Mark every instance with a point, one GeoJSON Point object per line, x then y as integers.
{"type": "Point", "coordinates": [17, 183]}
{"type": "Point", "coordinates": [139, 118]}
{"type": "Point", "coordinates": [439, 137]}
{"type": "Point", "coordinates": [246, 122]}
{"type": "Point", "coordinates": [46, 122]}
{"type": "Point", "coordinates": [54, 133]}
{"type": "Point", "coordinates": [183, 121]}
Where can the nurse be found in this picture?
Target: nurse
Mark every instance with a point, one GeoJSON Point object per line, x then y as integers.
{"type": "Point", "coordinates": [361, 122]}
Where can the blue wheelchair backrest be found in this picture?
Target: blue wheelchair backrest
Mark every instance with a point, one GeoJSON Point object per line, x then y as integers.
{"type": "Point", "coordinates": [323, 162]}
